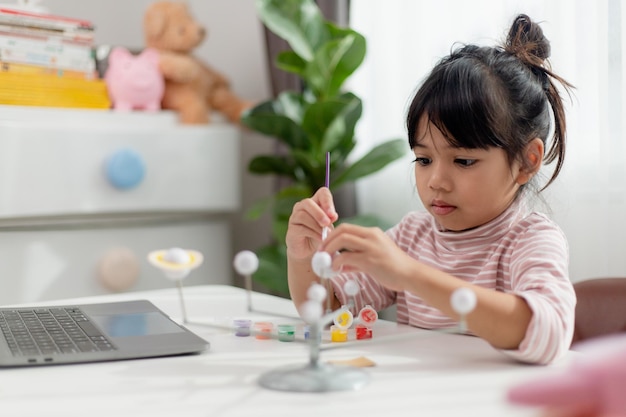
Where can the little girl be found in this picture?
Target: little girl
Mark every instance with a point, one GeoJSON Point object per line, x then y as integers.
{"type": "Point", "coordinates": [479, 127]}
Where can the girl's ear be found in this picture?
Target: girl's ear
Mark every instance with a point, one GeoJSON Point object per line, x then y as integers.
{"type": "Point", "coordinates": [533, 158]}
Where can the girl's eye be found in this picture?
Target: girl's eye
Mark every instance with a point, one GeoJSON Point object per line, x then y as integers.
{"type": "Point", "coordinates": [465, 162]}
{"type": "Point", "coordinates": [422, 161]}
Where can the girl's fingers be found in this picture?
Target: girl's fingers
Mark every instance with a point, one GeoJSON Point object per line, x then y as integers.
{"type": "Point", "coordinates": [324, 199]}
{"type": "Point", "coordinates": [348, 243]}
{"type": "Point", "coordinates": [309, 207]}
{"type": "Point", "coordinates": [348, 237]}
{"type": "Point", "coordinates": [305, 224]}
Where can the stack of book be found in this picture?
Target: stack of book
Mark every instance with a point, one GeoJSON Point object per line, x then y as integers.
{"type": "Point", "coordinates": [48, 60]}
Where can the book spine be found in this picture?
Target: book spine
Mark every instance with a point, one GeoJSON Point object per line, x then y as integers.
{"type": "Point", "coordinates": [46, 24]}
{"type": "Point", "coordinates": [47, 59]}
{"type": "Point", "coordinates": [42, 17]}
{"type": "Point", "coordinates": [48, 46]}
{"type": "Point", "coordinates": [15, 68]}
{"type": "Point", "coordinates": [83, 39]}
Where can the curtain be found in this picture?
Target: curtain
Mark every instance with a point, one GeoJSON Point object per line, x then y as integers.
{"type": "Point", "coordinates": [407, 37]}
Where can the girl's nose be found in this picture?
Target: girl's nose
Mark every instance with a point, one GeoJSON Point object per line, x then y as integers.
{"type": "Point", "coordinates": [439, 178]}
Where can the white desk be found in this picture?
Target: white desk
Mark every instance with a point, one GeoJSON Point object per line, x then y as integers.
{"type": "Point", "coordinates": [437, 375]}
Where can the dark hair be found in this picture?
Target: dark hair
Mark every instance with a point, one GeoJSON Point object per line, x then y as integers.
{"type": "Point", "coordinates": [481, 97]}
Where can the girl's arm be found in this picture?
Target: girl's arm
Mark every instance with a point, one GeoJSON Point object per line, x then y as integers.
{"type": "Point", "coordinates": [499, 318]}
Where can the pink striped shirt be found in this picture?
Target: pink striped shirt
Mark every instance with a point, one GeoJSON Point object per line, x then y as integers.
{"type": "Point", "coordinates": [518, 252]}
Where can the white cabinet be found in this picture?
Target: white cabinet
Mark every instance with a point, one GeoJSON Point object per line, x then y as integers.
{"type": "Point", "coordinates": [90, 192]}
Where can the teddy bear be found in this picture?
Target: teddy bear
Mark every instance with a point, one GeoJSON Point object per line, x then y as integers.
{"type": "Point", "coordinates": [192, 88]}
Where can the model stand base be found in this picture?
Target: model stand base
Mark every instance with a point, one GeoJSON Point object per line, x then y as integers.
{"type": "Point", "coordinates": [315, 378]}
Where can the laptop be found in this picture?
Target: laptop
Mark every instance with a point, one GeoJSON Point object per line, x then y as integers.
{"type": "Point", "coordinates": [51, 335]}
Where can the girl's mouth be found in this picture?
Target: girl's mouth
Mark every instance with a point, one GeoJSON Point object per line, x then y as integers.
{"type": "Point", "coordinates": [441, 209]}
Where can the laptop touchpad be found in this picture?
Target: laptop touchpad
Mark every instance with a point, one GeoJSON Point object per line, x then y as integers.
{"type": "Point", "coordinates": [136, 324]}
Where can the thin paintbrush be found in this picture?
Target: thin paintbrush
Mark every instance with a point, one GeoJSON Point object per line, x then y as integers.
{"type": "Point", "coordinates": [326, 229]}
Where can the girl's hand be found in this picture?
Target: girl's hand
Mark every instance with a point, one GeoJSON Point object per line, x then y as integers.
{"type": "Point", "coordinates": [369, 250]}
{"type": "Point", "coordinates": [306, 222]}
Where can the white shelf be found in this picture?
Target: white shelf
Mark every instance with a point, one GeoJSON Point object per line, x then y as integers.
{"type": "Point", "coordinates": [61, 215]}
{"type": "Point", "coordinates": [52, 163]}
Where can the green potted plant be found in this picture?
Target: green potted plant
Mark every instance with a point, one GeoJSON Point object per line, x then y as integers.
{"type": "Point", "coordinates": [318, 119]}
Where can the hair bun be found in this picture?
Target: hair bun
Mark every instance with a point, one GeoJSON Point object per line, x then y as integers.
{"type": "Point", "coordinates": [526, 41]}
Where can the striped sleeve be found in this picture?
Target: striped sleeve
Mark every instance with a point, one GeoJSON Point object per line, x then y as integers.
{"type": "Point", "coordinates": [539, 274]}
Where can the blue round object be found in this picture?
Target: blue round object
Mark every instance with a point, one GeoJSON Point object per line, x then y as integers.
{"type": "Point", "coordinates": [125, 169]}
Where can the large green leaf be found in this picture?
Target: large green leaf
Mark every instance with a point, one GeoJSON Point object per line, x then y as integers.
{"type": "Point", "coordinates": [334, 62]}
{"type": "Point", "coordinates": [299, 22]}
{"type": "Point", "coordinates": [309, 166]}
{"type": "Point", "coordinates": [375, 160]}
{"type": "Point", "coordinates": [271, 164]}
{"type": "Point", "coordinates": [343, 150]}
{"type": "Point", "coordinates": [339, 135]}
{"type": "Point", "coordinates": [292, 105]}
{"type": "Point", "coordinates": [279, 119]}
{"type": "Point", "coordinates": [327, 122]}
{"type": "Point", "coordinates": [291, 62]}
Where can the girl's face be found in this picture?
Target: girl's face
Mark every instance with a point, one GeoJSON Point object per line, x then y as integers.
{"type": "Point", "coordinates": [462, 188]}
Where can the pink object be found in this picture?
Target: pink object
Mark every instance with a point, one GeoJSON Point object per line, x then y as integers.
{"type": "Point", "coordinates": [134, 82]}
{"type": "Point", "coordinates": [596, 381]}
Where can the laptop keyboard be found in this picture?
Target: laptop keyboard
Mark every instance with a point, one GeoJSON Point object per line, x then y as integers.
{"type": "Point", "coordinates": [51, 331]}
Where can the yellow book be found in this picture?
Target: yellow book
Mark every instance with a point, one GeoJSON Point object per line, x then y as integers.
{"type": "Point", "coordinates": [42, 70]}
{"type": "Point", "coordinates": [52, 91]}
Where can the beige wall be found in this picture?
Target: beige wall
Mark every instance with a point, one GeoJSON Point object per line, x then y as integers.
{"type": "Point", "coordinates": [234, 46]}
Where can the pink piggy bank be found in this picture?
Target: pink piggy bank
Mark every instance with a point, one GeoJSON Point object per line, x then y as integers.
{"type": "Point", "coordinates": [134, 82]}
